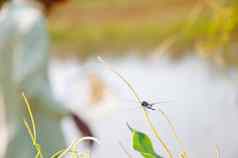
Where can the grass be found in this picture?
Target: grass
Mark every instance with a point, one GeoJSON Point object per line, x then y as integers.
{"type": "Point", "coordinates": [71, 149]}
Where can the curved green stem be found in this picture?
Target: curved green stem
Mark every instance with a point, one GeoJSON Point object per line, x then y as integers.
{"type": "Point", "coordinates": [73, 146]}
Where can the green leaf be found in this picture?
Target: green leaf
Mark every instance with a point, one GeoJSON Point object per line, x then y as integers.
{"type": "Point", "coordinates": [142, 143]}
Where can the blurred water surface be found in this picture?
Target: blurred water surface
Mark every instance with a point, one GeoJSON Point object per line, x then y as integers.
{"type": "Point", "coordinates": [202, 102]}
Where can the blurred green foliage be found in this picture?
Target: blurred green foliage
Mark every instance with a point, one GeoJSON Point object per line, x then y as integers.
{"type": "Point", "coordinates": [88, 27]}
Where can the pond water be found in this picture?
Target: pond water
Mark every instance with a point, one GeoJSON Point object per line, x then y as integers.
{"type": "Point", "coordinates": [202, 102]}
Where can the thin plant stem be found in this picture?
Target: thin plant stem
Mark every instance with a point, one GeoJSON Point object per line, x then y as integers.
{"type": "Point", "coordinates": [124, 150]}
{"type": "Point", "coordinates": [32, 131]}
{"type": "Point", "coordinates": [132, 90]}
{"type": "Point", "coordinates": [218, 152]}
{"type": "Point", "coordinates": [75, 144]}
{"type": "Point", "coordinates": [184, 152]}
{"type": "Point", "coordinates": [31, 116]}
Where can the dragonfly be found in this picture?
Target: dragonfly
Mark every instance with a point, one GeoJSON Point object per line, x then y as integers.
{"type": "Point", "coordinates": [145, 104]}
{"type": "Point", "coordinates": [148, 105]}
{"type": "Point", "coordinates": [128, 105]}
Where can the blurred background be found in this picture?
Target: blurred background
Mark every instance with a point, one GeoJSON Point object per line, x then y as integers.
{"type": "Point", "coordinates": [180, 52]}
{"type": "Point", "coordinates": [85, 28]}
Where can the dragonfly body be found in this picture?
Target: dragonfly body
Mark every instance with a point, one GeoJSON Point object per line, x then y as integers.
{"type": "Point", "coordinates": [147, 105]}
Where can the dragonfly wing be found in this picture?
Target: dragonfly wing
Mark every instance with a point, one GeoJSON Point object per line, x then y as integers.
{"type": "Point", "coordinates": [160, 102]}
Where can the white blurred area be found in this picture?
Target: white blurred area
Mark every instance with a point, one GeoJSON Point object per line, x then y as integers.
{"type": "Point", "coordinates": [202, 102]}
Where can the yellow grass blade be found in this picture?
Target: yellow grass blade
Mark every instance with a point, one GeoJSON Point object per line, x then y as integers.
{"type": "Point", "coordinates": [29, 130]}
{"type": "Point", "coordinates": [31, 117]}
{"type": "Point", "coordinates": [218, 152]}
{"type": "Point", "coordinates": [184, 152]}
{"type": "Point", "coordinates": [124, 150]}
{"type": "Point", "coordinates": [122, 78]}
{"type": "Point", "coordinates": [32, 131]}
{"type": "Point", "coordinates": [74, 145]}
